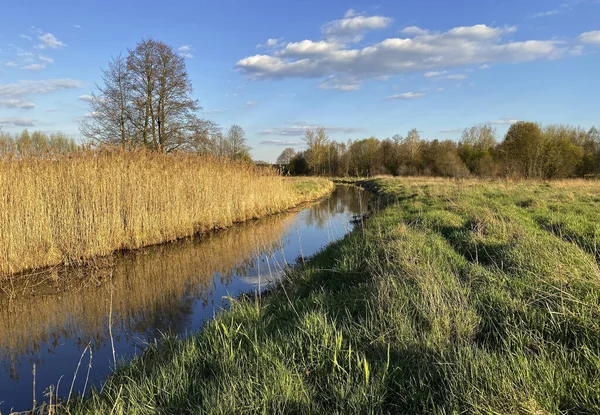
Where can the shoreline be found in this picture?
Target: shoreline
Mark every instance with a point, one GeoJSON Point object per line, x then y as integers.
{"type": "Point", "coordinates": [324, 188]}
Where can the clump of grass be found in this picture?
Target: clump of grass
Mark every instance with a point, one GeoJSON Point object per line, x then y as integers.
{"type": "Point", "coordinates": [454, 299]}
{"type": "Point", "coordinates": [71, 208]}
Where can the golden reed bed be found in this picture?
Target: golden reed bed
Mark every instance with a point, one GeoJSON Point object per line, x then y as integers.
{"type": "Point", "coordinates": [72, 208]}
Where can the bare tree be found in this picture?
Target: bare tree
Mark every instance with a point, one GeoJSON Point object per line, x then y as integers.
{"type": "Point", "coordinates": [237, 147]}
{"type": "Point", "coordinates": [109, 119]}
{"type": "Point", "coordinates": [146, 100]}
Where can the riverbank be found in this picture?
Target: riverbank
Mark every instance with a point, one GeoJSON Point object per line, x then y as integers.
{"type": "Point", "coordinates": [69, 209]}
{"type": "Point", "coordinates": [459, 297]}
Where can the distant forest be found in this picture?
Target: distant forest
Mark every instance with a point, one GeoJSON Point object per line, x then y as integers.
{"type": "Point", "coordinates": [528, 150]}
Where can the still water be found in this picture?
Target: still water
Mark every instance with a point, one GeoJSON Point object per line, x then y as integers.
{"type": "Point", "coordinates": [47, 320]}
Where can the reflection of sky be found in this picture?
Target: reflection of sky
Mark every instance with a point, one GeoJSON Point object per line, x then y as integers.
{"type": "Point", "coordinates": [310, 230]}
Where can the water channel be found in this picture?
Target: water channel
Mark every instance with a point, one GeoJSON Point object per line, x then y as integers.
{"type": "Point", "coordinates": [49, 318]}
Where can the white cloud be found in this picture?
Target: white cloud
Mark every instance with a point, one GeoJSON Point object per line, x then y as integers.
{"type": "Point", "coordinates": [13, 94]}
{"type": "Point", "coordinates": [270, 43]}
{"type": "Point", "coordinates": [544, 14]}
{"type": "Point", "coordinates": [406, 95]}
{"type": "Point", "coordinates": [16, 103]}
{"type": "Point", "coordinates": [25, 37]}
{"type": "Point", "coordinates": [299, 129]}
{"type": "Point", "coordinates": [49, 41]}
{"type": "Point", "coordinates": [354, 26]}
{"type": "Point", "coordinates": [565, 7]}
{"type": "Point", "coordinates": [250, 104]}
{"type": "Point", "coordinates": [46, 59]}
{"type": "Point", "coordinates": [340, 84]}
{"type": "Point", "coordinates": [308, 48]}
{"type": "Point", "coordinates": [11, 64]}
{"type": "Point", "coordinates": [186, 51]}
{"type": "Point", "coordinates": [88, 116]}
{"type": "Point", "coordinates": [425, 52]}
{"type": "Point", "coordinates": [76, 26]}
{"type": "Point", "coordinates": [433, 74]}
{"type": "Point", "coordinates": [504, 121]}
{"type": "Point", "coordinates": [34, 67]}
{"type": "Point", "coordinates": [485, 66]}
{"type": "Point", "coordinates": [592, 38]}
{"type": "Point", "coordinates": [413, 30]}
{"type": "Point", "coordinates": [283, 143]}
{"type": "Point", "coordinates": [85, 98]}
{"type": "Point", "coordinates": [17, 121]}
{"type": "Point", "coordinates": [456, 77]}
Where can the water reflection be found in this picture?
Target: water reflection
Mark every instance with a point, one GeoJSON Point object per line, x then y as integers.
{"type": "Point", "coordinates": [50, 317]}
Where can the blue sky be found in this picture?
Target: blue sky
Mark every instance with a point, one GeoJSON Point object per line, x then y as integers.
{"type": "Point", "coordinates": [358, 68]}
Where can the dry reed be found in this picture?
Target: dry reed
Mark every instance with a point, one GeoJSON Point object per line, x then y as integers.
{"type": "Point", "coordinates": [88, 204]}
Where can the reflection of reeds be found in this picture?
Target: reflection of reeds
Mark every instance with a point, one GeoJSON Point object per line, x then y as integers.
{"type": "Point", "coordinates": [149, 286]}
{"type": "Point", "coordinates": [91, 203]}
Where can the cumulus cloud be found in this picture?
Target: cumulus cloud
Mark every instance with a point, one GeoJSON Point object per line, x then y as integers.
{"type": "Point", "coordinates": [25, 37]}
{"type": "Point", "coordinates": [299, 129]}
{"type": "Point", "coordinates": [11, 64]}
{"type": "Point", "coordinates": [49, 41]}
{"type": "Point", "coordinates": [308, 48]}
{"type": "Point", "coordinates": [250, 104]}
{"type": "Point", "coordinates": [457, 77]}
{"type": "Point", "coordinates": [345, 67]}
{"type": "Point", "coordinates": [591, 38]}
{"type": "Point", "coordinates": [413, 30]}
{"type": "Point", "coordinates": [13, 94]}
{"type": "Point", "coordinates": [34, 67]}
{"type": "Point", "coordinates": [406, 95]}
{"type": "Point", "coordinates": [354, 26]}
{"type": "Point", "coordinates": [17, 121]}
{"type": "Point", "coordinates": [185, 51]}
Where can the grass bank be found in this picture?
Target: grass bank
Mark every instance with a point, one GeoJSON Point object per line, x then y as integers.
{"type": "Point", "coordinates": [71, 208]}
{"type": "Point", "coordinates": [460, 297]}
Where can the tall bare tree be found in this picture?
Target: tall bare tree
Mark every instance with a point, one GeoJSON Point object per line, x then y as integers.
{"type": "Point", "coordinates": [146, 100]}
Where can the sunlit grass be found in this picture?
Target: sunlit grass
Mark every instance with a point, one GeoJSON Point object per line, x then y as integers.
{"type": "Point", "coordinates": [460, 297]}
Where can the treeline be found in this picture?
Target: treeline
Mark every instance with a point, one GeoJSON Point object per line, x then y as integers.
{"type": "Point", "coordinates": [36, 144]}
{"type": "Point", "coordinates": [528, 150]}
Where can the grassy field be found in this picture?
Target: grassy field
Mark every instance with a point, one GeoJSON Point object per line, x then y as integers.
{"type": "Point", "coordinates": [459, 297]}
{"type": "Point", "coordinates": [71, 208]}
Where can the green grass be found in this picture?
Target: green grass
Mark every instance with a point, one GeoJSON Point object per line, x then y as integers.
{"type": "Point", "coordinates": [459, 297]}
{"type": "Point", "coordinates": [310, 188]}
